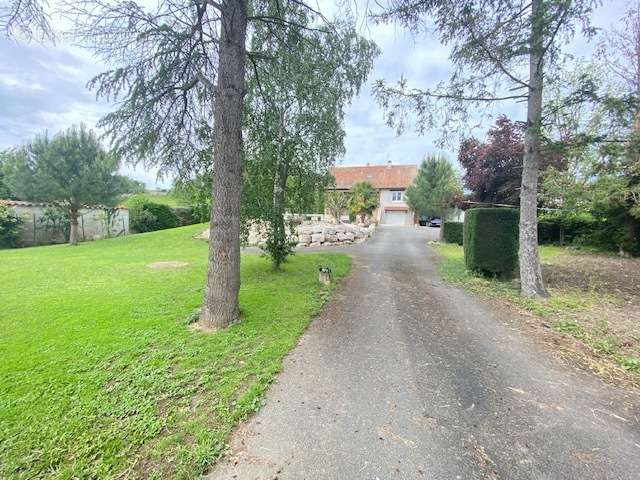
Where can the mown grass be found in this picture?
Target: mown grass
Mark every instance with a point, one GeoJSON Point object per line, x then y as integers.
{"type": "Point", "coordinates": [102, 378]}
{"type": "Point", "coordinates": [165, 199]}
{"type": "Point", "coordinates": [562, 308]}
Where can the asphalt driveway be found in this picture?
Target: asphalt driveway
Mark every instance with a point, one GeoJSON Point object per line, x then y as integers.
{"type": "Point", "coordinates": [404, 377]}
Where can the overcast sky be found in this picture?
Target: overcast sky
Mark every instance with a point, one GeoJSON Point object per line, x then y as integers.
{"type": "Point", "coordinates": [44, 88]}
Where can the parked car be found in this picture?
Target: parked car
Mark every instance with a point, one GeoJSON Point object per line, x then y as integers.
{"type": "Point", "coordinates": [423, 221]}
{"type": "Point", "coordinates": [435, 222]}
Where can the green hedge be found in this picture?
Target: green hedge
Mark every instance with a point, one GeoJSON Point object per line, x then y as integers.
{"type": "Point", "coordinates": [10, 224]}
{"type": "Point", "coordinates": [452, 232]}
{"type": "Point", "coordinates": [146, 216]}
{"type": "Point", "coordinates": [566, 230]}
{"type": "Point", "coordinates": [491, 240]}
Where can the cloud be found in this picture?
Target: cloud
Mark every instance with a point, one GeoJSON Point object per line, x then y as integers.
{"type": "Point", "coordinates": [44, 88]}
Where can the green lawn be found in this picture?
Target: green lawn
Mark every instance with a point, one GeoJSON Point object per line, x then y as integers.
{"type": "Point", "coordinates": [167, 199]}
{"type": "Point", "coordinates": [101, 377]}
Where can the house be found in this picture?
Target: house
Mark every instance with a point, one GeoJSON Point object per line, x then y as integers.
{"type": "Point", "coordinates": [391, 181]}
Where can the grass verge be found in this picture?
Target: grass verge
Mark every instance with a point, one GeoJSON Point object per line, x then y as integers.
{"type": "Point", "coordinates": [583, 313]}
{"type": "Point", "coordinates": [100, 376]}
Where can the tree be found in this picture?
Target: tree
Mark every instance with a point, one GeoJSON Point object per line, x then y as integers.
{"type": "Point", "coordinates": [363, 200]}
{"type": "Point", "coordinates": [70, 170]}
{"type": "Point", "coordinates": [295, 115]}
{"type": "Point", "coordinates": [493, 169]}
{"type": "Point", "coordinates": [336, 203]}
{"type": "Point", "coordinates": [619, 52]}
{"type": "Point", "coordinates": [25, 19]}
{"type": "Point", "coordinates": [179, 75]}
{"type": "Point", "coordinates": [500, 51]}
{"type": "Point", "coordinates": [434, 188]}
{"type": "Point", "coordinates": [4, 188]}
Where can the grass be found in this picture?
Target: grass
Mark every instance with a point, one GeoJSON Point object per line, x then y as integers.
{"type": "Point", "coordinates": [166, 199]}
{"type": "Point", "coordinates": [563, 309]}
{"type": "Point", "coordinates": [101, 376]}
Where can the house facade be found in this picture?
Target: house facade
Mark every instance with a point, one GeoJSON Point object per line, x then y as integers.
{"type": "Point", "coordinates": [391, 181]}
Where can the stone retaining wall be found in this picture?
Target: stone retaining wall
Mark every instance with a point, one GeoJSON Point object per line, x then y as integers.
{"type": "Point", "coordinates": [312, 234]}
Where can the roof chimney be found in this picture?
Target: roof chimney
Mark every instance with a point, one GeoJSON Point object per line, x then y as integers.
{"type": "Point", "coordinates": [388, 163]}
{"type": "Point", "coordinates": [368, 164]}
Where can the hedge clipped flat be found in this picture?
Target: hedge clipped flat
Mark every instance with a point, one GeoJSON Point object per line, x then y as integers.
{"type": "Point", "coordinates": [452, 232]}
{"type": "Point", "coordinates": [491, 240]}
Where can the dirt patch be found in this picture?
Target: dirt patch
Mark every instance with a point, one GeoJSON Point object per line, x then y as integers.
{"type": "Point", "coordinates": [602, 273]}
{"type": "Point", "coordinates": [167, 265]}
{"type": "Point", "coordinates": [616, 281]}
{"type": "Point", "coordinates": [601, 336]}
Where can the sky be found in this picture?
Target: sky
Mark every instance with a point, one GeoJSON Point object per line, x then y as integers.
{"type": "Point", "coordinates": [43, 88]}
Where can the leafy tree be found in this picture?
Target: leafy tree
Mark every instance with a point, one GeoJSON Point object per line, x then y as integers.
{"type": "Point", "coordinates": [500, 51]}
{"type": "Point", "coordinates": [70, 170]}
{"type": "Point", "coordinates": [493, 169]}
{"type": "Point", "coordinates": [295, 115]}
{"type": "Point", "coordinates": [337, 203]}
{"type": "Point", "coordinates": [435, 187]}
{"type": "Point", "coordinates": [179, 71]}
{"type": "Point", "coordinates": [596, 130]}
{"type": "Point", "coordinates": [363, 200]}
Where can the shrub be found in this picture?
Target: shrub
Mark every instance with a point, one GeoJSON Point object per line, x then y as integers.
{"type": "Point", "coordinates": [147, 216]}
{"type": "Point", "coordinates": [452, 232]}
{"type": "Point", "coordinates": [491, 240]}
{"type": "Point", "coordinates": [564, 230]}
{"type": "Point", "coordinates": [185, 215]}
{"type": "Point", "coordinates": [9, 227]}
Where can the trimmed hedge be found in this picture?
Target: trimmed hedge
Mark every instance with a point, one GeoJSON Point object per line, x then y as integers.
{"type": "Point", "coordinates": [146, 216]}
{"type": "Point", "coordinates": [491, 240]}
{"type": "Point", "coordinates": [452, 232]}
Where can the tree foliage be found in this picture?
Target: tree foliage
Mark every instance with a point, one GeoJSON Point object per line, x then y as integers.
{"type": "Point", "coordinates": [493, 169]}
{"type": "Point", "coordinates": [10, 224]}
{"type": "Point", "coordinates": [336, 203]}
{"type": "Point", "coordinates": [500, 51]}
{"type": "Point", "coordinates": [435, 187]}
{"type": "Point", "coordinates": [70, 170]}
{"type": "Point", "coordinates": [178, 73]}
{"type": "Point", "coordinates": [295, 115]}
{"type": "Point", "coordinates": [25, 19]}
{"type": "Point", "coordinates": [363, 200]}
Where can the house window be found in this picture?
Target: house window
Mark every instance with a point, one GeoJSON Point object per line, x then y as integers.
{"type": "Point", "coordinates": [396, 195]}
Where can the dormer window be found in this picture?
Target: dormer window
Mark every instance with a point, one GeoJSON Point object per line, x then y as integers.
{"type": "Point", "coordinates": [396, 195]}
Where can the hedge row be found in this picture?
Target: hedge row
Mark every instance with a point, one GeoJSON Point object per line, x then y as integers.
{"type": "Point", "coordinates": [147, 216]}
{"type": "Point", "coordinates": [491, 240]}
{"type": "Point", "coordinates": [452, 232]}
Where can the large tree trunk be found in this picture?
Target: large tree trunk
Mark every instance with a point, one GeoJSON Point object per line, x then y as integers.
{"type": "Point", "coordinates": [73, 231]}
{"type": "Point", "coordinates": [220, 307]}
{"type": "Point", "coordinates": [531, 283]}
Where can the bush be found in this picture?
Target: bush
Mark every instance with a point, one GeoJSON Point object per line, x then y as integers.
{"type": "Point", "coordinates": [185, 215]}
{"type": "Point", "coordinates": [491, 240]}
{"type": "Point", "coordinates": [9, 227]}
{"type": "Point", "coordinates": [452, 232]}
{"type": "Point", "coordinates": [565, 230]}
{"type": "Point", "coordinates": [147, 216]}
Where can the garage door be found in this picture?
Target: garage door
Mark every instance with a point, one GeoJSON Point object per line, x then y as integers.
{"type": "Point", "coordinates": [395, 218]}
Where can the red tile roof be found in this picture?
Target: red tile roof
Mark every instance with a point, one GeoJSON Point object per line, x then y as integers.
{"type": "Point", "coordinates": [380, 176]}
